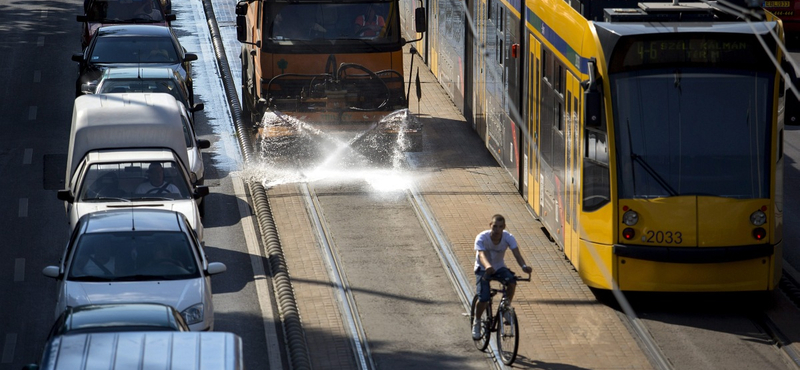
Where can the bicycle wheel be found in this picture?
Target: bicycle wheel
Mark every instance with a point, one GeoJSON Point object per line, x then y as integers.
{"type": "Point", "coordinates": [486, 322]}
{"type": "Point", "coordinates": [508, 335]}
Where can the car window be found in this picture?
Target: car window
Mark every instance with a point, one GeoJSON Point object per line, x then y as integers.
{"type": "Point", "coordinates": [124, 10]}
{"type": "Point", "coordinates": [188, 135]}
{"type": "Point", "coordinates": [133, 256]}
{"type": "Point", "coordinates": [141, 86]}
{"type": "Point", "coordinates": [134, 49]}
{"type": "Point", "coordinates": [132, 181]}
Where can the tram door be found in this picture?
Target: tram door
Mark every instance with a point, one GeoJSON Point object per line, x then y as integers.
{"type": "Point", "coordinates": [571, 171]}
{"type": "Point", "coordinates": [534, 61]}
{"type": "Point", "coordinates": [552, 145]}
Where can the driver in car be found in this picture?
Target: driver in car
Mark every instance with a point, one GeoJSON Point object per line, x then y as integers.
{"type": "Point", "coordinates": [155, 183]}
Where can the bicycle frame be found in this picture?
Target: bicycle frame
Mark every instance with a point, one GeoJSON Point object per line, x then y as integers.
{"type": "Point", "coordinates": [492, 323]}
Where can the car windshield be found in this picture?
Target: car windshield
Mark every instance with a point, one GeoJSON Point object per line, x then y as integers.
{"type": "Point", "coordinates": [125, 11]}
{"type": "Point", "coordinates": [142, 86]}
{"type": "Point", "coordinates": [133, 181]}
{"type": "Point", "coordinates": [133, 256]}
{"type": "Point", "coordinates": [376, 21]}
{"type": "Point", "coordinates": [134, 49]}
{"type": "Point", "coordinates": [670, 144]}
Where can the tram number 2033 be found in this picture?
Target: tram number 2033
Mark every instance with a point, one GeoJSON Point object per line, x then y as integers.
{"type": "Point", "coordinates": [660, 237]}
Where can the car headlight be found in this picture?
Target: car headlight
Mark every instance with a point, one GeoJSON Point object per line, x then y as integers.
{"type": "Point", "coordinates": [193, 315]}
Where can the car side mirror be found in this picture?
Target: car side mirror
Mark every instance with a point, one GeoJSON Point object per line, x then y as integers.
{"type": "Point", "coordinates": [420, 22]}
{"type": "Point", "coordinates": [65, 195]}
{"type": "Point", "coordinates": [170, 17]}
{"type": "Point", "coordinates": [52, 272]}
{"type": "Point", "coordinates": [203, 144]}
{"type": "Point", "coordinates": [82, 18]}
{"type": "Point", "coordinates": [77, 57]}
{"type": "Point", "coordinates": [200, 191]}
{"type": "Point", "coordinates": [188, 57]}
{"type": "Point", "coordinates": [88, 88]}
{"type": "Point", "coordinates": [216, 268]}
{"type": "Point", "coordinates": [197, 107]}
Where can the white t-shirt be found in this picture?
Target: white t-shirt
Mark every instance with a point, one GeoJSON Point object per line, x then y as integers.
{"type": "Point", "coordinates": [495, 253]}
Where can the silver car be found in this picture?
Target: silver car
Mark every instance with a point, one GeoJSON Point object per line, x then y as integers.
{"type": "Point", "coordinates": [137, 255]}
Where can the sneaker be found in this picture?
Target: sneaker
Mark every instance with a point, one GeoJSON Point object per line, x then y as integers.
{"type": "Point", "coordinates": [476, 330]}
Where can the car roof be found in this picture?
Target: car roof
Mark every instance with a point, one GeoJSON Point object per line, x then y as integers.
{"type": "Point", "coordinates": [140, 72]}
{"type": "Point", "coordinates": [121, 315]}
{"type": "Point", "coordinates": [125, 121]}
{"type": "Point", "coordinates": [131, 219]}
{"type": "Point", "coordinates": [123, 30]}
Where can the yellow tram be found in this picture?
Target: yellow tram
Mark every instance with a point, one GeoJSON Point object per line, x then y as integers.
{"type": "Point", "coordinates": [653, 153]}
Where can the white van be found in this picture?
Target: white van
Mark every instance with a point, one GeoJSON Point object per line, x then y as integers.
{"type": "Point", "coordinates": [129, 150]}
{"type": "Point", "coordinates": [143, 350]}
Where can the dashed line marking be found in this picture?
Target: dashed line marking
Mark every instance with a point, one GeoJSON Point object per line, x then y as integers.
{"type": "Point", "coordinates": [19, 269]}
{"type": "Point", "coordinates": [32, 113]}
{"type": "Point", "coordinates": [37, 76]}
{"type": "Point", "coordinates": [27, 158]}
{"type": "Point", "coordinates": [40, 41]}
{"type": "Point", "coordinates": [23, 207]}
{"type": "Point", "coordinates": [8, 348]}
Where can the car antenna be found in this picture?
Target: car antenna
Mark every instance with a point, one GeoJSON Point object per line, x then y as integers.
{"type": "Point", "coordinates": [133, 221]}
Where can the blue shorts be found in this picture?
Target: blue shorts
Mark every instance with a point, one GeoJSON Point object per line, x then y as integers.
{"type": "Point", "coordinates": [482, 285]}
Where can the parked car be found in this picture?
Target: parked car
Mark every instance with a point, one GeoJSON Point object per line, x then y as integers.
{"type": "Point", "coordinates": [130, 150]}
{"type": "Point", "coordinates": [98, 13]}
{"type": "Point", "coordinates": [133, 46]}
{"type": "Point", "coordinates": [144, 80]}
{"type": "Point", "coordinates": [137, 255]}
{"type": "Point", "coordinates": [143, 350]}
{"type": "Point", "coordinates": [118, 317]}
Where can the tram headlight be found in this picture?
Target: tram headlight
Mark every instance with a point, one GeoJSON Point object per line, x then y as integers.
{"type": "Point", "coordinates": [628, 233]}
{"type": "Point", "coordinates": [758, 218]}
{"type": "Point", "coordinates": [630, 218]}
{"type": "Point", "coordinates": [759, 233]}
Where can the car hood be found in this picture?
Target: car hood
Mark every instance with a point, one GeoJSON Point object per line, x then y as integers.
{"type": "Point", "coordinates": [180, 294]}
{"type": "Point", "coordinates": [187, 207]}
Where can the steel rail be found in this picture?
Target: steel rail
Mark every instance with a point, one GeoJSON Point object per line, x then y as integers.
{"type": "Point", "coordinates": [346, 300]}
{"type": "Point", "coordinates": [462, 285]}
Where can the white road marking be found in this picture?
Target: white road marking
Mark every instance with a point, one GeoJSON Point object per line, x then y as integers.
{"type": "Point", "coordinates": [23, 207]}
{"type": "Point", "coordinates": [40, 41]}
{"type": "Point", "coordinates": [19, 269]}
{"type": "Point", "coordinates": [37, 76]}
{"type": "Point", "coordinates": [32, 113]}
{"type": "Point", "coordinates": [259, 275]}
{"type": "Point", "coordinates": [27, 158]}
{"type": "Point", "coordinates": [8, 348]}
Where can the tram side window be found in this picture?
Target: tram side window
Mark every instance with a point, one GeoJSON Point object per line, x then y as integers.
{"type": "Point", "coordinates": [596, 177]}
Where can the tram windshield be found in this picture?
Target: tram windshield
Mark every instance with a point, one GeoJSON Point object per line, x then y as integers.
{"type": "Point", "coordinates": [693, 131]}
{"type": "Point", "coordinates": [373, 22]}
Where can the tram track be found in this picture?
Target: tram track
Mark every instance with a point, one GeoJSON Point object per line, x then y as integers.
{"type": "Point", "coordinates": [351, 314]}
{"type": "Point", "coordinates": [345, 297]}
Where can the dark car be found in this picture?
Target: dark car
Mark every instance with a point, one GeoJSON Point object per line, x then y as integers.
{"type": "Point", "coordinates": [98, 13]}
{"type": "Point", "coordinates": [96, 318]}
{"type": "Point", "coordinates": [133, 46]}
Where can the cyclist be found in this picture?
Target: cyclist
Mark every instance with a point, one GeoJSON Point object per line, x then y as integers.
{"type": "Point", "coordinates": [490, 247]}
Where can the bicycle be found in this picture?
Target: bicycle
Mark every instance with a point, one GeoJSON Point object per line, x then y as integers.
{"type": "Point", "coordinates": [507, 333]}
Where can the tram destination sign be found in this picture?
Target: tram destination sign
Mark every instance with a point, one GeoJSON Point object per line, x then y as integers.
{"type": "Point", "coordinates": [681, 49]}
